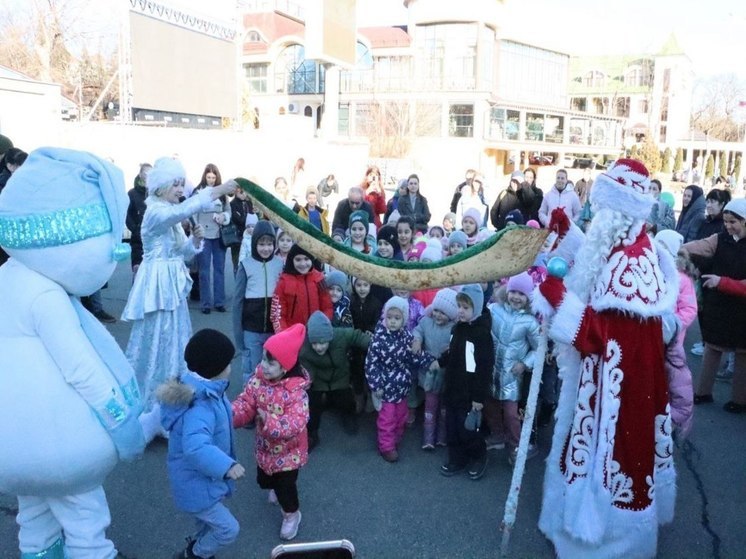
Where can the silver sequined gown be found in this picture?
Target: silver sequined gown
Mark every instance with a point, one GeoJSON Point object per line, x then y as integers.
{"type": "Point", "coordinates": [157, 303]}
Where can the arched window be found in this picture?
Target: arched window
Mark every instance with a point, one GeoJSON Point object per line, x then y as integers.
{"type": "Point", "coordinates": [638, 75]}
{"type": "Point", "coordinates": [363, 57]}
{"type": "Point", "coordinates": [299, 75]}
{"type": "Point", "coordinates": [253, 37]}
{"type": "Point", "coordinates": [308, 111]}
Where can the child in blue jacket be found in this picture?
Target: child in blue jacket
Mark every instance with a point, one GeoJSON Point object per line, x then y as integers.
{"type": "Point", "coordinates": [201, 459]}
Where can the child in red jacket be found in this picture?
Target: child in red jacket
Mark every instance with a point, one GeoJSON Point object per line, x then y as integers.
{"type": "Point", "coordinates": [277, 400]}
{"type": "Point", "coordinates": [300, 291]}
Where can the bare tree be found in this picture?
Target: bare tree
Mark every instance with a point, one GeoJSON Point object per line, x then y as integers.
{"type": "Point", "coordinates": [392, 125]}
{"type": "Point", "coordinates": [716, 102]}
{"type": "Point", "coordinates": [58, 41]}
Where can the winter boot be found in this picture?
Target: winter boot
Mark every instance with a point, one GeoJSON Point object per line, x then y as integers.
{"type": "Point", "coordinates": [290, 523]}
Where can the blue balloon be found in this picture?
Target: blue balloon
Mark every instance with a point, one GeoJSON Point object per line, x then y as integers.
{"type": "Point", "coordinates": [557, 267]}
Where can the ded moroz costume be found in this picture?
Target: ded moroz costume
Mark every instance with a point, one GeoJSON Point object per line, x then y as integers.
{"type": "Point", "coordinates": [610, 478]}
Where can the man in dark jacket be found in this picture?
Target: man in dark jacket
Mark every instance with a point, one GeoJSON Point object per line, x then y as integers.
{"type": "Point", "coordinates": [355, 201]}
{"type": "Point", "coordinates": [135, 212]}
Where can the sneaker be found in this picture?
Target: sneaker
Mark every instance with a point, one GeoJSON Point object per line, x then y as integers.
{"type": "Point", "coordinates": [532, 451]}
{"type": "Point", "coordinates": [104, 316]}
{"type": "Point", "coordinates": [220, 308]}
{"type": "Point", "coordinates": [390, 456]}
{"type": "Point", "coordinates": [441, 443]}
{"type": "Point", "coordinates": [272, 498]}
{"type": "Point", "coordinates": [428, 446]}
{"type": "Point", "coordinates": [724, 375]}
{"type": "Point", "coordinates": [494, 443]}
{"type": "Point", "coordinates": [449, 469]}
{"type": "Point", "coordinates": [698, 349]}
{"type": "Point", "coordinates": [478, 467]}
{"type": "Point", "coordinates": [290, 523]}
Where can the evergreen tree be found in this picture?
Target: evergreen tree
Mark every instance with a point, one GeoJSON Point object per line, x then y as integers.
{"type": "Point", "coordinates": [666, 167]}
{"type": "Point", "coordinates": [723, 165]}
{"type": "Point", "coordinates": [709, 167]}
{"type": "Point", "coordinates": [678, 164]}
{"type": "Point", "coordinates": [633, 152]}
{"type": "Point", "coordinates": [737, 169]}
{"type": "Point", "coordinates": [650, 155]}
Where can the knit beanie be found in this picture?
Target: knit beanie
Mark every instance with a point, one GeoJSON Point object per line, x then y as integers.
{"type": "Point", "coordinates": [457, 238]}
{"type": "Point", "coordinates": [474, 292]}
{"type": "Point", "coordinates": [319, 328]}
{"type": "Point", "coordinates": [533, 224]}
{"type": "Point", "coordinates": [670, 240]}
{"type": "Point", "coordinates": [251, 219]}
{"type": "Point", "coordinates": [165, 171]}
{"type": "Point", "coordinates": [445, 302]}
{"type": "Point", "coordinates": [737, 207]}
{"type": "Point", "coordinates": [208, 353]}
{"type": "Point", "coordinates": [388, 234]}
{"type": "Point", "coordinates": [450, 216]}
{"type": "Point", "coordinates": [337, 278]}
{"type": "Point", "coordinates": [475, 215]}
{"type": "Point", "coordinates": [517, 176]}
{"type": "Point", "coordinates": [521, 283]}
{"type": "Point", "coordinates": [415, 253]}
{"type": "Point", "coordinates": [359, 216]}
{"type": "Point", "coordinates": [433, 251]}
{"type": "Point", "coordinates": [294, 251]}
{"type": "Point", "coordinates": [515, 216]}
{"type": "Point", "coordinates": [286, 345]}
{"type": "Point", "coordinates": [439, 228]}
{"type": "Point", "coordinates": [397, 302]}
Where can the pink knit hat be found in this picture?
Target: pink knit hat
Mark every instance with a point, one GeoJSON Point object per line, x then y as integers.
{"type": "Point", "coordinates": [286, 345]}
{"type": "Point", "coordinates": [521, 283]}
{"type": "Point", "coordinates": [475, 215]}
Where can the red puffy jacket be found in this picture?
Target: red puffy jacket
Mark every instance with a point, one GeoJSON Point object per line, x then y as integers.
{"type": "Point", "coordinates": [296, 297]}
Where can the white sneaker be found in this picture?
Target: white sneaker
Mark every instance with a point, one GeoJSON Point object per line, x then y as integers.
{"type": "Point", "coordinates": [698, 349]}
{"type": "Point", "coordinates": [272, 497]}
{"type": "Point", "coordinates": [290, 523]}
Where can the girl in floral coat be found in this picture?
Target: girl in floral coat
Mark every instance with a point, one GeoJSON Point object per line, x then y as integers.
{"type": "Point", "coordinates": [276, 399]}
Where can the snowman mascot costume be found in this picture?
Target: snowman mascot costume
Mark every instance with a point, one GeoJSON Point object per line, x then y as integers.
{"type": "Point", "coordinates": [610, 478]}
{"type": "Point", "coordinates": [68, 397]}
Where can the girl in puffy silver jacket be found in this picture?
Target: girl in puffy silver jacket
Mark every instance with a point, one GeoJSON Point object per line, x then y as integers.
{"type": "Point", "coordinates": [515, 332]}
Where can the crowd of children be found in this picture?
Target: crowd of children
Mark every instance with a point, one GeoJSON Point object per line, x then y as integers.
{"type": "Point", "coordinates": [312, 338]}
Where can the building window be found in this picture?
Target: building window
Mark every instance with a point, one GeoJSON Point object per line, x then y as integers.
{"type": "Point", "coordinates": [461, 121]}
{"type": "Point", "coordinates": [662, 138]}
{"type": "Point", "coordinates": [253, 37]}
{"type": "Point", "coordinates": [664, 109]}
{"type": "Point", "coordinates": [621, 106]}
{"type": "Point", "coordinates": [503, 124]}
{"type": "Point", "coordinates": [458, 70]}
{"type": "Point", "coordinates": [532, 75]}
{"type": "Point", "coordinates": [535, 127]}
{"type": "Point", "coordinates": [393, 73]}
{"type": "Point", "coordinates": [295, 74]}
{"type": "Point", "coordinates": [361, 78]}
{"type": "Point", "coordinates": [666, 80]}
{"type": "Point", "coordinates": [343, 124]}
{"type": "Point", "coordinates": [594, 78]}
{"type": "Point", "coordinates": [643, 106]}
{"type": "Point", "coordinates": [256, 77]}
{"type": "Point", "coordinates": [308, 111]}
{"type": "Point", "coordinates": [579, 104]}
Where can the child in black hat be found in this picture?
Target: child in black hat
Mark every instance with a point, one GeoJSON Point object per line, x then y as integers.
{"type": "Point", "coordinates": [201, 464]}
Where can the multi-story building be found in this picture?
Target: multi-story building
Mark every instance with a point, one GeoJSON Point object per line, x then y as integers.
{"type": "Point", "coordinates": [651, 92]}
{"type": "Point", "coordinates": [450, 80]}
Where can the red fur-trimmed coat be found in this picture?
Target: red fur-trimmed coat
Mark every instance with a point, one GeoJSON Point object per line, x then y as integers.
{"type": "Point", "coordinates": [281, 437]}
{"type": "Point", "coordinates": [610, 477]}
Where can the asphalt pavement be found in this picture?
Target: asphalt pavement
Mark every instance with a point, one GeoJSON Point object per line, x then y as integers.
{"type": "Point", "coordinates": [407, 509]}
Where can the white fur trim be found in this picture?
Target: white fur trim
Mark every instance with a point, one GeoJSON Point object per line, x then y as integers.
{"type": "Point", "coordinates": [569, 244]}
{"type": "Point", "coordinates": [567, 321]}
{"type": "Point", "coordinates": [539, 304]}
{"type": "Point", "coordinates": [608, 193]}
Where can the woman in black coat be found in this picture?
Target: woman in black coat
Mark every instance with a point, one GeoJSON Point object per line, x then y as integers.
{"type": "Point", "coordinates": [506, 202]}
{"type": "Point", "coordinates": [715, 202]}
{"type": "Point", "coordinates": [692, 214]}
{"type": "Point", "coordinates": [414, 203]}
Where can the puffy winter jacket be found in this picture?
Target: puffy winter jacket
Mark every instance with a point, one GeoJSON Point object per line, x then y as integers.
{"type": "Point", "coordinates": [197, 415]}
{"type": "Point", "coordinates": [516, 337]}
{"type": "Point", "coordinates": [281, 438]}
{"type": "Point", "coordinates": [331, 371]}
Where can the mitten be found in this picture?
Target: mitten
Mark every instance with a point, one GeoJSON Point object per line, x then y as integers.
{"type": "Point", "coordinates": [553, 289]}
{"type": "Point", "coordinates": [559, 222]}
